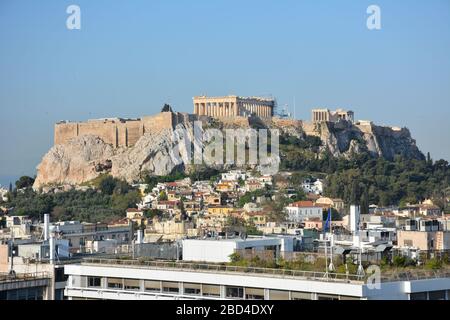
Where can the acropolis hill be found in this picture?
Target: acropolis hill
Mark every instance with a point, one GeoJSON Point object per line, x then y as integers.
{"type": "Point", "coordinates": [125, 148]}
{"type": "Point", "coordinates": [126, 132]}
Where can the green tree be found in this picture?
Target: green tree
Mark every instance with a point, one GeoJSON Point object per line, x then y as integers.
{"type": "Point", "coordinates": [24, 182]}
{"type": "Point", "coordinates": [151, 213]}
{"type": "Point", "coordinates": [335, 216]}
{"type": "Point", "coordinates": [364, 203]}
{"type": "Point", "coordinates": [107, 185]}
{"type": "Point", "coordinates": [121, 202]}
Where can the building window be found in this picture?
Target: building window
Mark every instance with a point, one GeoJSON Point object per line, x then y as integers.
{"type": "Point", "coordinates": [171, 287]}
{"type": "Point", "coordinates": [234, 292]}
{"type": "Point", "coordinates": [192, 288]}
{"type": "Point", "coordinates": [301, 296]}
{"type": "Point", "coordinates": [115, 283]}
{"type": "Point", "coordinates": [327, 297]}
{"type": "Point", "coordinates": [210, 290]}
{"type": "Point", "coordinates": [418, 296]}
{"type": "Point", "coordinates": [254, 294]}
{"type": "Point", "coordinates": [94, 281]}
{"type": "Point", "coordinates": [349, 298]}
{"type": "Point", "coordinates": [132, 284]}
{"type": "Point", "coordinates": [278, 295]}
{"type": "Point", "coordinates": [436, 295]}
{"type": "Point", "coordinates": [36, 293]}
{"type": "Point", "coordinates": [153, 286]}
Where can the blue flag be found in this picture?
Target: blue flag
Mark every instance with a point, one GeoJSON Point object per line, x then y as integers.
{"type": "Point", "coordinates": [327, 222]}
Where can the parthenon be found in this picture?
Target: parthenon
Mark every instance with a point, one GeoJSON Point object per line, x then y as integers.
{"type": "Point", "coordinates": [232, 106]}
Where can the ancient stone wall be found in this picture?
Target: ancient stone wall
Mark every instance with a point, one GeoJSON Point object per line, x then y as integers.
{"type": "Point", "coordinates": [159, 122]}
{"type": "Point", "coordinates": [65, 132]}
{"type": "Point", "coordinates": [242, 122]}
{"type": "Point", "coordinates": [279, 122]}
{"type": "Point", "coordinates": [311, 129]}
{"type": "Point", "coordinates": [107, 131]}
{"type": "Point", "coordinates": [129, 132]}
{"type": "Point", "coordinates": [119, 132]}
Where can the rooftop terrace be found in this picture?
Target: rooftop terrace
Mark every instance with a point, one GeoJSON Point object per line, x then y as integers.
{"type": "Point", "coordinates": [266, 272]}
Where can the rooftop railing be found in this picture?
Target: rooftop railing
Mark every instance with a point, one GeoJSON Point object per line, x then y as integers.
{"type": "Point", "coordinates": [219, 268]}
{"type": "Point", "coordinates": [390, 276]}
{"type": "Point", "coordinates": [23, 277]}
{"type": "Point", "coordinates": [414, 275]}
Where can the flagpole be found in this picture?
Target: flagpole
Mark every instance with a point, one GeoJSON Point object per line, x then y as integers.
{"type": "Point", "coordinates": [326, 256]}
{"type": "Point", "coordinates": [331, 235]}
{"type": "Point", "coordinates": [331, 267]}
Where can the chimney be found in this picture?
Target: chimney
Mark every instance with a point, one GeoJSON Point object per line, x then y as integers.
{"type": "Point", "coordinates": [354, 219]}
{"type": "Point", "coordinates": [46, 226]}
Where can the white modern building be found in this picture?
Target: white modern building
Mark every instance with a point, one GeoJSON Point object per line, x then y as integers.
{"type": "Point", "coordinates": [302, 210]}
{"type": "Point", "coordinates": [137, 280]}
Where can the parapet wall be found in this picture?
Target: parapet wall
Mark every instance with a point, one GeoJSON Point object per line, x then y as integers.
{"type": "Point", "coordinates": [118, 132]}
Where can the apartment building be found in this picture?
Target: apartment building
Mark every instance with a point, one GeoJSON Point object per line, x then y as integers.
{"type": "Point", "coordinates": [423, 234]}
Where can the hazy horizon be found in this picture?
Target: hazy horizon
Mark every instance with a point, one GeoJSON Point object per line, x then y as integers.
{"type": "Point", "coordinates": [130, 58]}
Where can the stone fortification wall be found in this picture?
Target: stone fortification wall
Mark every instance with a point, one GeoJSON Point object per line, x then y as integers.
{"type": "Point", "coordinates": [119, 132]}
{"type": "Point", "coordinates": [280, 122]}
{"type": "Point", "coordinates": [311, 129]}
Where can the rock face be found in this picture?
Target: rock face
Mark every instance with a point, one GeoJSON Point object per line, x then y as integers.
{"type": "Point", "coordinates": [343, 138]}
{"type": "Point", "coordinates": [84, 158]}
{"type": "Point", "coordinates": [154, 153]}
{"type": "Point", "coordinates": [73, 163]}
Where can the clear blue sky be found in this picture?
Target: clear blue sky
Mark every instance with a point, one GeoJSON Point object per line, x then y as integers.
{"type": "Point", "coordinates": [130, 57]}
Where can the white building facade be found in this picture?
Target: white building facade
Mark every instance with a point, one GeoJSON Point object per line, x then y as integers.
{"type": "Point", "coordinates": [300, 211]}
{"type": "Point", "coordinates": [130, 280]}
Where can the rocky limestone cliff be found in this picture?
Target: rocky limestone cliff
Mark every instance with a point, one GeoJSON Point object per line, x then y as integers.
{"type": "Point", "coordinates": [86, 157]}
{"type": "Point", "coordinates": [73, 163]}
{"type": "Point", "coordinates": [343, 138]}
